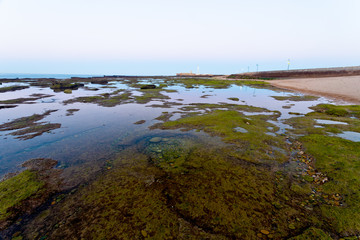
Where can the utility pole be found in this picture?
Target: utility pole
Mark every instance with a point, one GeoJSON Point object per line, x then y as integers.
{"type": "Point", "coordinates": [257, 67]}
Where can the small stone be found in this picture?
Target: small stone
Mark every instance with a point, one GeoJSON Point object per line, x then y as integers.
{"type": "Point", "coordinates": [292, 226]}
{"type": "Point", "coordinates": [144, 233]}
{"type": "Point", "coordinates": [266, 232]}
{"type": "Point", "coordinates": [155, 139]}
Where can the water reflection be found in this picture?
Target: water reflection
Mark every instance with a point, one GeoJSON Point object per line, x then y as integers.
{"type": "Point", "coordinates": [89, 133]}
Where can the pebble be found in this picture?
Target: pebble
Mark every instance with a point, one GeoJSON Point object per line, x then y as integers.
{"type": "Point", "coordinates": [144, 233]}
{"type": "Point", "coordinates": [266, 232]}
{"type": "Point", "coordinates": [292, 226]}
{"type": "Point", "coordinates": [155, 139]}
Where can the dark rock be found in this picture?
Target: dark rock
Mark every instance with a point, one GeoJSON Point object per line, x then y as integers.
{"type": "Point", "coordinates": [150, 86]}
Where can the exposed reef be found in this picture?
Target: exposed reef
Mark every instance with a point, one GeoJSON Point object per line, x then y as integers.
{"type": "Point", "coordinates": [29, 127]}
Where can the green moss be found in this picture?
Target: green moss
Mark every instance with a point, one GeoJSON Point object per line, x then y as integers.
{"type": "Point", "coordinates": [12, 88]}
{"type": "Point", "coordinates": [204, 194]}
{"type": "Point", "coordinates": [312, 233]}
{"type": "Point", "coordinates": [68, 91]}
{"type": "Point", "coordinates": [149, 95]}
{"type": "Point", "coordinates": [306, 125]}
{"type": "Point", "coordinates": [296, 98]}
{"type": "Point", "coordinates": [115, 100]}
{"type": "Point", "coordinates": [339, 160]}
{"type": "Point", "coordinates": [214, 83]}
{"type": "Point", "coordinates": [339, 111]}
{"type": "Point", "coordinates": [61, 86]}
{"type": "Point", "coordinates": [106, 100]}
{"type": "Point", "coordinates": [234, 99]}
{"type": "Point", "coordinates": [303, 189]}
{"type": "Point", "coordinates": [210, 106]}
{"type": "Point", "coordinates": [16, 189]}
{"type": "Point", "coordinates": [255, 145]}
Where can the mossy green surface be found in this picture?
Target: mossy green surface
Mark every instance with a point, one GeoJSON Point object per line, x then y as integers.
{"type": "Point", "coordinates": [29, 127]}
{"type": "Point", "coordinates": [296, 98]}
{"type": "Point", "coordinates": [12, 88]}
{"type": "Point", "coordinates": [16, 189]}
{"type": "Point", "coordinates": [105, 100]}
{"type": "Point", "coordinates": [306, 124]}
{"type": "Point", "coordinates": [212, 106]}
{"type": "Point", "coordinates": [339, 159]}
{"type": "Point", "coordinates": [312, 234]}
{"type": "Point", "coordinates": [149, 95]}
{"type": "Point", "coordinates": [255, 145]}
{"type": "Point", "coordinates": [338, 110]}
{"type": "Point", "coordinates": [174, 189]}
{"type": "Point", "coordinates": [214, 83]}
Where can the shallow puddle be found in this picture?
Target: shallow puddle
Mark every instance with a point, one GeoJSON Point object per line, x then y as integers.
{"type": "Point", "coordinates": [322, 121]}
{"type": "Point", "coordinates": [352, 136]}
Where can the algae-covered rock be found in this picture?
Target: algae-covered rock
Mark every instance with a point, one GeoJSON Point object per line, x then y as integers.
{"type": "Point", "coordinates": [149, 86]}
{"type": "Point", "coordinates": [311, 234]}
{"type": "Point", "coordinates": [27, 190]}
{"type": "Point", "coordinates": [155, 139]}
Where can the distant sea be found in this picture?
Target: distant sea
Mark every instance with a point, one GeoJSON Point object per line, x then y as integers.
{"type": "Point", "coordinates": [58, 76]}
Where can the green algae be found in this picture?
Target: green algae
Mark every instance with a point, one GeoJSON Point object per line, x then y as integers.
{"type": "Point", "coordinates": [255, 145]}
{"type": "Point", "coordinates": [338, 110]}
{"type": "Point", "coordinates": [126, 203]}
{"type": "Point", "coordinates": [12, 88]}
{"type": "Point", "coordinates": [188, 189]}
{"type": "Point", "coordinates": [312, 233]}
{"type": "Point", "coordinates": [296, 98]}
{"type": "Point", "coordinates": [65, 86]}
{"type": "Point", "coordinates": [70, 112]}
{"type": "Point", "coordinates": [149, 95]}
{"type": "Point", "coordinates": [234, 99]}
{"type": "Point", "coordinates": [338, 158]}
{"type": "Point", "coordinates": [215, 83]}
{"type": "Point", "coordinates": [16, 189]}
{"type": "Point", "coordinates": [306, 124]}
{"type": "Point", "coordinates": [28, 100]}
{"type": "Point", "coordinates": [122, 96]}
{"type": "Point", "coordinates": [29, 127]}
{"type": "Point", "coordinates": [105, 100]}
{"type": "Point", "coordinates": [212, 106]}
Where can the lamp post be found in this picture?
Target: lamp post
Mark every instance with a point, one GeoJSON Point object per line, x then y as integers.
{"type": "Point", "coordinates": [288, 64]}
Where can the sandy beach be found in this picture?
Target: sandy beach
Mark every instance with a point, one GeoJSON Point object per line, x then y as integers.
{"type": "Point", "coordinates": [340, 88]}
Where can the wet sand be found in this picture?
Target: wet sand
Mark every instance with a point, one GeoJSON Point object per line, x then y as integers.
{"type": "Point", "coordinates": [340, 88]}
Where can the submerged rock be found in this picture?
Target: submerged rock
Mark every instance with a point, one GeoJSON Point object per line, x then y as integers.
{"type": "Point", "coordinates": [155, 139]}
{"type": "Point", "coordinates": [149, 86]}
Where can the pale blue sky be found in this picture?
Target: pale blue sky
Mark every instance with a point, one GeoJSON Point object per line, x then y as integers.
{"type": "Point", "coordinates": [165, 37]}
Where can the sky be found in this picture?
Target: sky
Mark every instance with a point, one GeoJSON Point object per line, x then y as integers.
{"type": "Point", "coordinates": [162, 37]}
